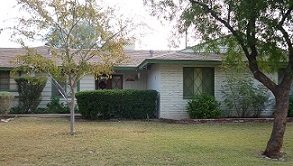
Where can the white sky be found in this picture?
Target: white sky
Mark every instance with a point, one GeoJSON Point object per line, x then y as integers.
{"type": "Point", "coordinates": [156, 37]}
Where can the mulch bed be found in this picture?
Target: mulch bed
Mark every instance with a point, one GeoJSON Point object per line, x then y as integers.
{"type": "Point", "coordinates": [221, 120]}
{"type": "Point", "coordinates": [176, 121]}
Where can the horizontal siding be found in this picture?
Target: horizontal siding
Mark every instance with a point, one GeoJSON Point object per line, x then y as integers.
{"type": "Point", "coordinates": [87, 83]}
{"type": "Point", "coordinates": [46, 94]}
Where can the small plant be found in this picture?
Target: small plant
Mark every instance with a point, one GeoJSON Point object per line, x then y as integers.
{"type": "Point", "coordinates": [203, 106]}
{"type": "Point", "coordinates": [55, 106]}
{"type": "Point", "coordinates": [6, 100]}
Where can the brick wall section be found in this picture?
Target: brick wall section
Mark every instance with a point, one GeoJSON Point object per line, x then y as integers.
{"type": "Point", "coordinates": [170, 80]}
{"type": "Point", "coordinates": [172, 104]}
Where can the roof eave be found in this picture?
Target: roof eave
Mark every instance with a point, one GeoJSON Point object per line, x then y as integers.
{"type": "Point", "coordinates": [164, 61]}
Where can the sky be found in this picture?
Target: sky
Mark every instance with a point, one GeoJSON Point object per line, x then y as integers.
{"type": "Point", "coordinates": [154, 38]}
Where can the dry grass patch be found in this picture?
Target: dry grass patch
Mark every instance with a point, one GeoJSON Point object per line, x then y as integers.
{"type": "Point", "coordinates": [45, 141]}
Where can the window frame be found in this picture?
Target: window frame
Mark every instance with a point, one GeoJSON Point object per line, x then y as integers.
{"type": "Point", "coordinates": [109, 82]}
{"type": "Point", "coordinates": [56, 94]}
{"type": "Point", "coordinates": [207, 74]}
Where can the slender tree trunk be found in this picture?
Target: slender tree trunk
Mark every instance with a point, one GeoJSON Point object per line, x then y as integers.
{"type": "Point", "coordinates": [72, 116]}
{"type": "Point", "coordinates": [274, 145]}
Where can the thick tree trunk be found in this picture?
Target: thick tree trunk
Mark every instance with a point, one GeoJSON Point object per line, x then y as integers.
{"type": "Point", "coordinates": [274, 145]}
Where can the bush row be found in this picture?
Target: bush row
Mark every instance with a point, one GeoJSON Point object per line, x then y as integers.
{"type": "Point", "coordinates": [129, 104]}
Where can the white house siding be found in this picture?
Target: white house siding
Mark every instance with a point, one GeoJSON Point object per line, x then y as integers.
{"type": "Point", "coordinates": [46, 94]}
{"type": "Point", "coordinates": [167, 79]}
{"type": "Point", "coordinates": [13, 91]}
{"type": "Point", "coordinates": [172, 104]}
{"type": "Point", "coordinates": [87, 83]}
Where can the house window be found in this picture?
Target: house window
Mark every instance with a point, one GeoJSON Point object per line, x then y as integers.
{"type": "Point", "coordinates": [65, 87]}
{"type": "Point", "coordinates": [197, 81]}
{"type": "Point", "coordinates": [115, 82]}
{"type": "Point", "coordinates": [4, 80]}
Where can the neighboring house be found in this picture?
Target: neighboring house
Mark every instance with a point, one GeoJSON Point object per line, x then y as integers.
{"type": "Point", "coordinates": [176, 75]}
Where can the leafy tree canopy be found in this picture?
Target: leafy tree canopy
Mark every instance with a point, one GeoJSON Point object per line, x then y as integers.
{"type": "Point", "coordinates": [260, 29]}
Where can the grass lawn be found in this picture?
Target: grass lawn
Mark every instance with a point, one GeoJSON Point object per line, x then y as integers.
{"type": "Point", "coordinates": [45, 141]}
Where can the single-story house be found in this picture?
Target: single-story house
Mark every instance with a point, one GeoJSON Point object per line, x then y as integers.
{"type": "Point", "coordinates": [176, 75]}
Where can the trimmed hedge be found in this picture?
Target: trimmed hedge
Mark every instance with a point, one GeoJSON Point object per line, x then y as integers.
{"type": "Point", "coordinates": [126, 104]}
{"type": "Point", "coordinates": [29, 89]}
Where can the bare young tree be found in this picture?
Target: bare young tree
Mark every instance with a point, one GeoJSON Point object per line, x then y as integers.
{"type": "Point", "coordinates": [83, 38]}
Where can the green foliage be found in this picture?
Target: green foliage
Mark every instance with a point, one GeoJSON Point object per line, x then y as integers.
{"type": "Point", "coordinates": [290, 113]}
{"type": "Point", "coordinates": [55, 106]}
{"type": "Point", "coordinates": [242, 96]}
{"type": "Point", "coordinates": [6, 100]}
{"type": "Point", "coordinates": [129, 104]}
{"type": "Point", "coordinates": [15, 110]}
{"type": "Point", "coordinates": [29, 90]}
{"type": "Point", "coordinates": [83, 38]}
{"type": "Point", "coordinates": [203, 106]}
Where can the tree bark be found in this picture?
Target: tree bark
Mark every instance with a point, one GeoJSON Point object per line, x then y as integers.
{"type": "Point", "coordinates": [275, 143]}
{"type": "Point", "coordinates": [72, 117]}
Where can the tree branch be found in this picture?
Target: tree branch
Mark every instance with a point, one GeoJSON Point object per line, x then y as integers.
{"type": "Point", "coordinates": [225, 23]}
{"type": "Point", "coordinates": [250, 36]}
{"type": "Point", "coordinates": [285, 16]}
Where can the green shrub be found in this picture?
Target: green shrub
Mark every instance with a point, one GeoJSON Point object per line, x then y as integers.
{"type": "Point", "coordinates": [6, 100]}
{"type": "Point", "coordinates": [290, 113]}
{"type": "Point", "coordinates": [242, 96]}
{"type": "Point", "coordinates": [128, 104]}
{"type": "Point", "coordinates": [15, 110]}
{"type": "Point", "coordinates": [40, 111]}
{"type": "Point", "coordinates": [29, 90]}
{"type": "Point", "coordinates": [54, 106]}
{"type": "Point", "coordinates": [203, 106]}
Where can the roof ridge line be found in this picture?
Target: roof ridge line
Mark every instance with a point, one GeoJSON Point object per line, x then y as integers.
{"type": "Point", "coordinates": [163, 54]}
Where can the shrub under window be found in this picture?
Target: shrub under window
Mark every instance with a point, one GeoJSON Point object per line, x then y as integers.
{"type": "Point", "coordinates": [203, 106]}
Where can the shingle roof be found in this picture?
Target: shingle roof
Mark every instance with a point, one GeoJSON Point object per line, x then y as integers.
{"type": "Point", "coordinates": [136, 57]}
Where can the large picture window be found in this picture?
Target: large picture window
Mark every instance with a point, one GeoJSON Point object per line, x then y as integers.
{"type": "Point", "coordinates": [197, 81]}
